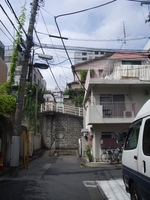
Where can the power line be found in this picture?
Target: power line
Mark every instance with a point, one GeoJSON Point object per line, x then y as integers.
{"type": "Point", "coordinates": [87, 49]}
{"type": "Point", "coordinates": [11, 8]}
{"type": "Point", "coordinates": [76, 12]}
{"type": "Point", "coordinates": [6, 35]}
{"type": "Point", "coordinates": [101, 40]}
{"type": "Point", "coordinates": [9, 19]}
{"type": "Point", "coordinates": [7, 30]}
{"type": "Point", "coordinates": [62, 15]}
{"type": "Point", "coordinates": [46, 60]}
{"type": "Point", "coordinates": [50, 39]}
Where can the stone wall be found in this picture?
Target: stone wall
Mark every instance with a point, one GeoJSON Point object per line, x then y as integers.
{"type": "Point", "coordinates": [63, 129]}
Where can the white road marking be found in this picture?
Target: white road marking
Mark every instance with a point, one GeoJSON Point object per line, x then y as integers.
{"type": "Point", "coordinates": [114, 189]}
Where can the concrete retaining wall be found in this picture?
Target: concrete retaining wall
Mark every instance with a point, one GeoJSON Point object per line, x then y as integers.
{"type": "Point", "coordinates": [63, 129]}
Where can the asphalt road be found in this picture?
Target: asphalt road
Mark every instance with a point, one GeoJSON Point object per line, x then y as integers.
{"type": "Point", "coordinates": [56, 178]}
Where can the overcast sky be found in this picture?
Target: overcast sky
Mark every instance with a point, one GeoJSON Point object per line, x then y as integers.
{"type": "Point", "coordinates": [117, 25]}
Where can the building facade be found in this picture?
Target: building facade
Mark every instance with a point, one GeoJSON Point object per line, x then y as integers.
{"type": "Point", "coordinates": [112, 101]}
{"type": "Point", "coordinates": [82, 56]}
{"type": "Point", "coordinates": [36, 76]}
{"type": "Point", "coordinates": [97, 65]}
{"type": "Point", "coordinates": [3, 66]}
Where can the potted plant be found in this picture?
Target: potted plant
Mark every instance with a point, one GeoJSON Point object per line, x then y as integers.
{"type": "Point", "coordinates": [88, 153]}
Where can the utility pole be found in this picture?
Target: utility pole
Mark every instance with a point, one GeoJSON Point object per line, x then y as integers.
{"type": "Point", "coordinates": [16, 138]}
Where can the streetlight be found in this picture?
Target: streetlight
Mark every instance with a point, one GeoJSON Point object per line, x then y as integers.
{"type": "Point", "coordinates": [45, 56]}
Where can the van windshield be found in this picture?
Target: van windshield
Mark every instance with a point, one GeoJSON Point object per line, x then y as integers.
{"type": "Point", "coordinates": [132, 136]}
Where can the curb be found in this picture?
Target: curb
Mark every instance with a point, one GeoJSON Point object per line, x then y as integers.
{"type": "Point", "coordinates": [99, 164]}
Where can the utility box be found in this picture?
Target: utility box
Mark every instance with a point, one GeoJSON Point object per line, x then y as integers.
{"type": "Point", "coordinates": [15, 149]}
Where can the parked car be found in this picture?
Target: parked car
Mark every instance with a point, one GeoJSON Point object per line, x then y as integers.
{"type": "Point", "coordinates": [136, 156]}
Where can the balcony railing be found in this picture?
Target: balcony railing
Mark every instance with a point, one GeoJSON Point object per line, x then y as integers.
{"type": "Point", "coordinates": [119, 109]}
{"type": "Point", "coordinates": [62, 108]}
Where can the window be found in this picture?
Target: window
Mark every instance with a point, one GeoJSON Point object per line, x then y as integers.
{"type": "Point", "coordinates": [100, 72]}
{"type": "Point", "coordinates": [132, 136]}
{"type": "Point", "coordinates": [146, 138]}
{"type": "Point", "coordinates": [131, 62]}
{"type": "Point", "coordinates": [34, 78]}
{"type": "Point", "coordinates": [7, 58]}
{"type": "Point", "coordinates": [84, 54]}
{"type": "Point", "coordinates": [17, 73]}
{"type": "Point", "coordinates": [113, 105]}
{"type": "Point", "coordinates": [106, 135]}
{"type": "Point", "coordinates": [84, 58]}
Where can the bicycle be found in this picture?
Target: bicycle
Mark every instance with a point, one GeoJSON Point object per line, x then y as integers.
{"type": "Point", "coordinates": [106, 156]}
{"type": "Point", "coordinates": [111, 155]}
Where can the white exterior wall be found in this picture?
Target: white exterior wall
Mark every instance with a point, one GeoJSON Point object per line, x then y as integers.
{"type": "Point", "coordinates": [96, 65]}
{"type": "Point", "coordinates": [96, 144]}
{"type": "Point", "coordinates": [39, 78]}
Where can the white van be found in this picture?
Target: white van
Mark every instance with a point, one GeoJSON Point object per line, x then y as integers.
{"type": "Point", "coordinates": [136, 156]}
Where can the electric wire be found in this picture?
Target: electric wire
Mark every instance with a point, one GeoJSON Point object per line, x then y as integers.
{"type": "Point", "coordinates": [90, 49]}
{"type": "Point", "coordinates": [62, 15]}
{"type": "Point", "coordinates": [101, 40]}
{"type": "Point", "coordinates": [10, 20]}
{"type": "Point", "coordinates": [76, 12]}
{"type": "Point", "coordinates": [50, 39]}
{"type": "Point", "coordinates": [11, 8]}
{"type": "Point", "coordinates": [68, 54]}
{"type": "Point", "coordinates": [7, 30]}
{"type": "Point", "coordinates": [6, 35]}
{"type": "Point", "coordinates": [47, 61]}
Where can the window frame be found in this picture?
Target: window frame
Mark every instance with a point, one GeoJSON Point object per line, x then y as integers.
{"type": "Point", "coordinates": [134, 127]}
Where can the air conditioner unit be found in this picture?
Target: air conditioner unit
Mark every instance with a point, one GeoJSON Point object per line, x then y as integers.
{"type": "Point", "coordinates": [128, 114]}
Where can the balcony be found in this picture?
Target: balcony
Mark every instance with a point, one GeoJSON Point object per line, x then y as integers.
{"type": "Point", "coordinates": [111, 112]}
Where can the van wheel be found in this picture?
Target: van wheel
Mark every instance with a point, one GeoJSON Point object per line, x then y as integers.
{"type": "Point", "coordinates": [133, 192]}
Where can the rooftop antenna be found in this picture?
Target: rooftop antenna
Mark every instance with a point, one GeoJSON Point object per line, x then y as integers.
{"type": "Point", "coordinates": [124, 33]}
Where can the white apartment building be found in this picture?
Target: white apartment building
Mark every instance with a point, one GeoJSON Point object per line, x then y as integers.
{"type": "Point", "coordinates": [36, 74]}
{"type": "Point", "coordinates": [82, 56]}
{"type": "Point", "coordinates": [112, 101]}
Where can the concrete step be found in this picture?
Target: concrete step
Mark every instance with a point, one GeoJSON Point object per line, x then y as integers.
{"type": "Point", "coordinates": [65, 152]}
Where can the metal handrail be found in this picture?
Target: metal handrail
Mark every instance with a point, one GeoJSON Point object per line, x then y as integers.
{"type": "Point", "coordinates": [62, 108]}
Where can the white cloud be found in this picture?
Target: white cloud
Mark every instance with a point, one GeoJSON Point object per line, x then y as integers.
{"type": "Point", "coordinates": [103, 23]}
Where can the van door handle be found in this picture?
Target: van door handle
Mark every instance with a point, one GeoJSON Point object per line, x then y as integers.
{"type": "Point", "coordinates": [144, 165]}
{"type": "Point", "coordinates": [135, 157]}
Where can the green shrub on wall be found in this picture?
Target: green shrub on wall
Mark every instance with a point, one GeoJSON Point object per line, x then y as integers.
{"type": "Point", "coordinates": [83, 74]}
{"type": "Point", "coordinates": [76, 96]}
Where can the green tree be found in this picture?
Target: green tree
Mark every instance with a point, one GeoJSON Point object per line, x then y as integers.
{"type": "Point", "coordinates": [7, 100]}
{"type": "Point", "coordinates": [76, 96]}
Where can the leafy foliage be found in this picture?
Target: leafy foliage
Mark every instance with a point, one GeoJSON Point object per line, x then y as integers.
{"type": "Point", "coordinates": [76, 96]}
{"type": "Point", "coordinates": [30, 103]}
{"type": "Point", "coordinates": [7, 101]}
{"type": "Point", "coordinates": [88, 152]}
{"type": "Point", "coordinates": [83, 74]}
{"type": "Point", "coordinates": [14, 57]}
